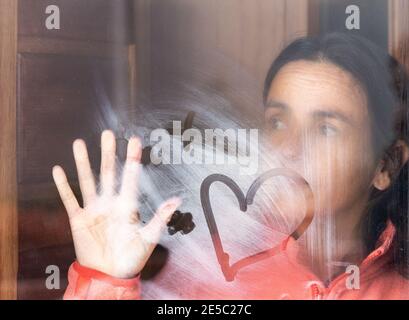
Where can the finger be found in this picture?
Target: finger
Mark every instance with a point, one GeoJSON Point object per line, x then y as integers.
{"type": "Point", "coordinates": [130, 175]}
{"type": "Point", "coordinates": [152, 231]}
{"type": "Point", "coordinates": [108, 162]}
{"type": "Point", "coordinates": [85, 175]}
{"type": "Point", "coordinates": [64, 189]}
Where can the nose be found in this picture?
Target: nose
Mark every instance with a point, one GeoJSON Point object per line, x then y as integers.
{"type": "Point", "coordinates": [292, 147]}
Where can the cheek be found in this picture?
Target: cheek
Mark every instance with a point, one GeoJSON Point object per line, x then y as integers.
{"type": "Point", "coordinates": [342, 173]}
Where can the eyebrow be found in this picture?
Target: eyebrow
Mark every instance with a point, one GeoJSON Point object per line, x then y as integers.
{"type": "Point", "coordinates": [333, 115]}
{"type": "Point", "coordinates": [276, 104]}
{"type": "Point", "coordinates": [322, 113]}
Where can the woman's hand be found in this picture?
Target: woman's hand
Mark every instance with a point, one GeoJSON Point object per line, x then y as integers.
{"type": "Point", "coordinates": [107, 233]}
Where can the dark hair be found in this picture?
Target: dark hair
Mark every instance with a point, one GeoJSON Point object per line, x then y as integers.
{"type": "Point", "coordinates": [385, 83]}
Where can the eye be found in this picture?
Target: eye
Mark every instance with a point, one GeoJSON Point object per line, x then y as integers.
{"type": "Point", "coordinates": [327, 130]}
{"type": "Point", "coordinates": [277, 124]}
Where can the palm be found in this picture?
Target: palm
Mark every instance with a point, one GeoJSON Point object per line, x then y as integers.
{"type": "Point", "coordinates": [107, 232]}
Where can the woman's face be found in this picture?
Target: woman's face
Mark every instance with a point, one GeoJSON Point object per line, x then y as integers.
{"type": "Point", "coordinates": [317, 120]}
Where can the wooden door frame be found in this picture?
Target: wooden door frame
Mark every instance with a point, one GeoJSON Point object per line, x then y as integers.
{"type": "Point", "coordinates": [399, 30]}
{"type": "Point", "coordinates": [8, 170]}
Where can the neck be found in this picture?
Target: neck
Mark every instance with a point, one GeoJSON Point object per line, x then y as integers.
{"type": "Point", "coordinates": [335, 241]}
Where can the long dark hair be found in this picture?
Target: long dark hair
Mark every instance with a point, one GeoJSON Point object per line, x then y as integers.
{"type": "Point", "coordinates": [386, 84]}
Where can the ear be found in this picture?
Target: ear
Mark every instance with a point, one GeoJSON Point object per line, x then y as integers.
{"type": "Point", "coordinates": [390, 167]}
{"type": "Point", "coordinates": [382, 179]}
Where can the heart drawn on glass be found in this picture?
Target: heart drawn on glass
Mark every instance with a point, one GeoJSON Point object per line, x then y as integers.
{"type": "Point", "coordinates": [230, 270]}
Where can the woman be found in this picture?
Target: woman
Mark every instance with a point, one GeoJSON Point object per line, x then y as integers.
{"type": "Point", "coordinates": [336, 110]}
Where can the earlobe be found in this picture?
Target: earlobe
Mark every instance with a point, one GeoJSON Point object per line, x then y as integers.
{"type": "Point", "coordinates": [382, 179]}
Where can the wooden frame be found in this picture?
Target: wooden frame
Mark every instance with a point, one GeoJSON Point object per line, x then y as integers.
{"type": "Point", "coordinates": [313, 17]}
{"type": "Point", "coordinates": [140, 81]}
{"type": "Point", "coordinates": [8, 183]}
{"type": "Point", "coordinates": [399, 30]}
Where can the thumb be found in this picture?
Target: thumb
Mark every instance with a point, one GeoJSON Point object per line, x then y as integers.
{"type": "Point", "coordinates": [152, 232]}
